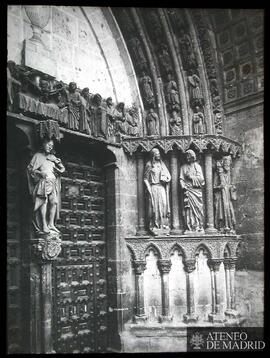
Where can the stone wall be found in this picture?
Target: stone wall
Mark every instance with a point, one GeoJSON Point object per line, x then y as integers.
{"type": "Point", "coordinates": [85, 44]}
{"type": "Point", "coordinates": [246, 125]}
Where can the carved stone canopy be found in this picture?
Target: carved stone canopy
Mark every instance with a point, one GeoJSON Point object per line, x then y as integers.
{"type": "Point", "coordinates": [202, 143]}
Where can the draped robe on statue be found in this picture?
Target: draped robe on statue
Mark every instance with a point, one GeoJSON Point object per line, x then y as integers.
{"type": "Point", "coordinates": [157, 178]}
{"type": "Point", "coordinates": [224, 212]}
{"type": "Point", "coordinates": [192, 180]}
{"type": "Point", "coordinates": [40, 188]}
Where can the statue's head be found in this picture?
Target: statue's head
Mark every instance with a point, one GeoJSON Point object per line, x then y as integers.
{"type": "Point", "coordinates": [109, 101]}
{"type": "Point", "coordinates": [155, 153]}
{"type": "Point", "coordinates": [191, 156]}
{"type": "Point", "coordinates": [85, 91]}
{"type": "Point", "coordinates": [97, 99]}
{"type": "Point", "coordinates": [72, 86]}
{"type": "Point", "coordinates": [47, 146]}
{"type": "Point", "coordinates": [227, 163]}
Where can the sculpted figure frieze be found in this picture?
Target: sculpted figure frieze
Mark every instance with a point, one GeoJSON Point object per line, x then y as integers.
{"type": "Point", "coordinates": [41, 96]}
{"type": "Point", "coordinates": [224, 195]}
{"type": "Point", "coordinates": [191, 182]}
{"type": "Point", "coordinates": [157, 179]}
{"type": "Point", "coordinates": [43, 172]}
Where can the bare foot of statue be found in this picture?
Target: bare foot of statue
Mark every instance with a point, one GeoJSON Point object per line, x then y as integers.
{"type": "Point", "coordinates": [53, 228]}
{"type": "Point", "coordinates": [46, 229]}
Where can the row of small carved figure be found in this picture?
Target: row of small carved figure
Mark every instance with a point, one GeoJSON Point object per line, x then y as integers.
{"type": "Point", "coordinates": [174, 105]}
{"type": "Point", "coordinates": [73, 108]}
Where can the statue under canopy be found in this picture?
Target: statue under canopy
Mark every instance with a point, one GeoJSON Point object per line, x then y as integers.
{"type": "Point", "coordinates": [43, 173]}
{"type": "Point", "coordinates": [192, 181]}
{"type": "Point", "coordinates": [156, 179]}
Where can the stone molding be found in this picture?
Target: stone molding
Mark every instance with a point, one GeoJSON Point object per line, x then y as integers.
{"type": "Point", "coordinates": [202, 143]}
{"type": "Point", "coordinates": [187, 245]}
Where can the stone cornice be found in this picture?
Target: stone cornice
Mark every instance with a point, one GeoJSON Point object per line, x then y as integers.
{"type": "Point", "coordinates": [216, 143]}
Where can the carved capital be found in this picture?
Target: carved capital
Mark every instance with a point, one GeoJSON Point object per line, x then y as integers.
{"type": "Point", "coordinates": [48, 247]}
{"type": "Point", "coordinates": [139, 266]}
{"type": "Point", "coordinates": [214, 264]}
{"type": "Point", "coordinates": [189, 265]}
{"type": "Point", "coordinates": [229, 263]}
{"type": "Point", "coordinates": [164, 266]}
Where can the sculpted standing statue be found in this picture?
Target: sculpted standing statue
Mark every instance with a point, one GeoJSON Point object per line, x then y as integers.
{"type": "Point", "coordinates": [152, 121]}
{"type": "Point", "coordinates": [43, 173]}
{"type": "Point", "coordinates": [189, 60]}
{"type": "Point", "coordinates": [195, 92]}
{"type": "Point", "coordinates": [224, 194]}
{"type": "Point", "coordinates": [172, 93]}
{"type": "Point", "coordinates": [156, 179]}
{"type": "Point", "coordinates": [147, 89]}
{"type": "Point", "coordinates": [176, 123]}
{"type": "Point", "coordinates": [198, 121]}
{"type": "Point", "coordinates": [192, 181]}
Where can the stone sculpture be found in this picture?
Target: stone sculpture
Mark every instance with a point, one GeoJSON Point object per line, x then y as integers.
{"type": "Point", "coordinates": [187, 55]}
{"type": "Point", "coordinates": [195, 92]}
{"type": "Point", "coordinates": [157, 179]}
{"type": "Point", "coordinates": [172, 95]}
{"type": "Point", "coordinates": [191, 182]}
{"type": "Point", "coordinates": [198, 121]}
{"type": "Point", "coordinates": [152, 122]}
{"type": "Point", "coordinates": [77, 110]}
{"type": "Point", "coordinates": [224, 194]}
{"type": "Point", "coordinates": [13, 84]}
{"type": "Point", "coordinates": [147, 89]}
{"type": "Point", "coordinates": [176, 123]}
{"type": "Point", "coordinates": [43, 173]}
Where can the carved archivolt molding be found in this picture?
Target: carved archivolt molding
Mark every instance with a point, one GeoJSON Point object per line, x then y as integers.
{"type": "Point", "coordinates": [201, 143]}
